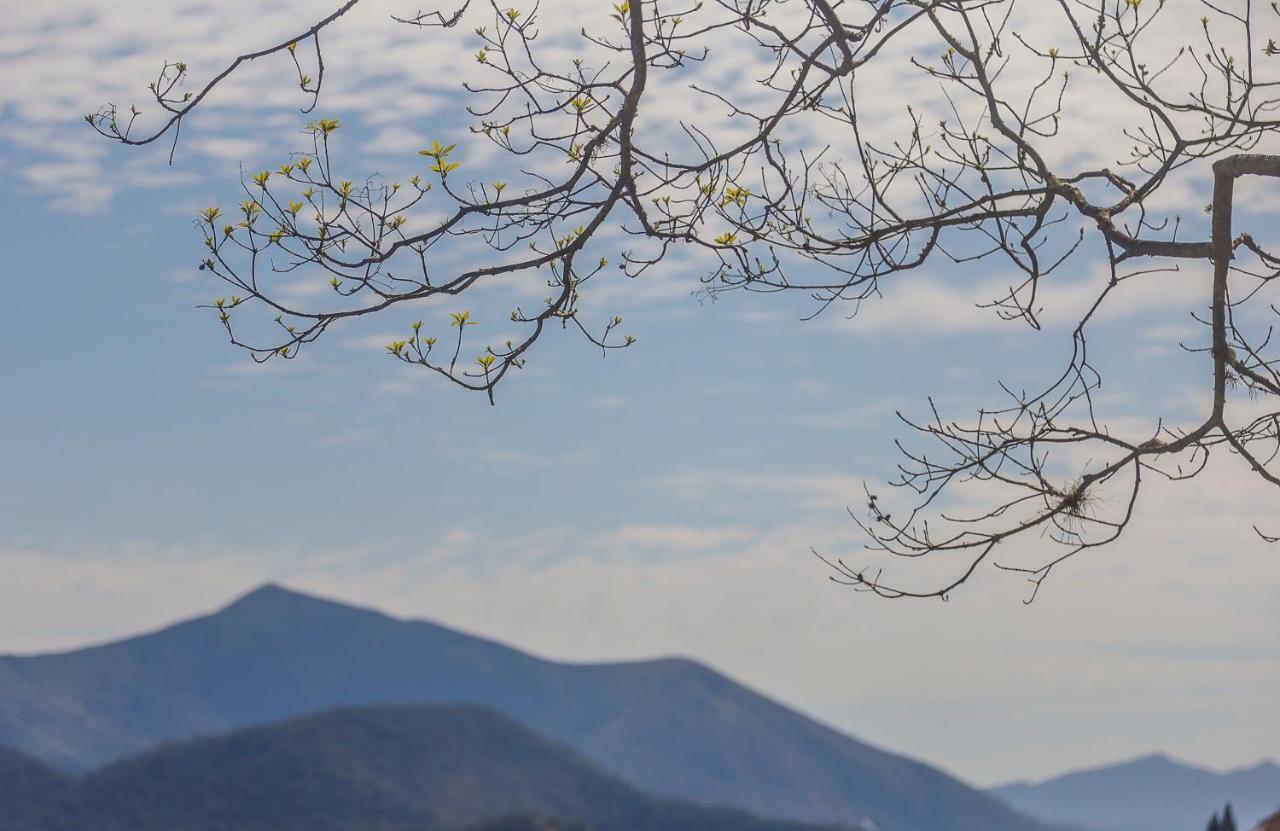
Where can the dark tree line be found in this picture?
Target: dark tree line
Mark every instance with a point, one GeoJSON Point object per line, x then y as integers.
{"type": "Point", "coordinates": [1224, 822]}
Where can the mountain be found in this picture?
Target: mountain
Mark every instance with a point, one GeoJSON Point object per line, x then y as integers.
{"type": "Point", "coordinates": [1154, 793]}
{"type": "Point", "coordinates": [389, 768]}
{"type": "Point", "coordinates": [672, 727]}
{"type": "Point", "coordinates": [528, 822]}
{"type": "Point", "coordinates": [31, 793]}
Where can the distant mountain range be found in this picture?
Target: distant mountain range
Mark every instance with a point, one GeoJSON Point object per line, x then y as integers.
{"type": "Point", "coordinates": [1154, 793]}
{"type": "Point", "coordinates": [389, 768]}
{"type": "Point", "coordinates": [671, 727]}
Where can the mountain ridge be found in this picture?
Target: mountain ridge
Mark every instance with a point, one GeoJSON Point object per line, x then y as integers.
{"type": "Point", "coordinates": [383, 768]}
{"type": "Point", "coordinates": [274, 653]}
{"type": "Point", "coordinates": [1159, 757]}
{"type": "Point", "coordinates": [1154, 792]}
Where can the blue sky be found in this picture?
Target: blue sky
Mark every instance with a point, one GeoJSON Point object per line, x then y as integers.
{"type": "Point", "coordinates": [662, 500]}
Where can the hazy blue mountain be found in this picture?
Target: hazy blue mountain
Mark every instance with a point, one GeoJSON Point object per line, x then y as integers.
{"type": "Point", "coordinates": [672, 727]}
{"type": "Point", "coordinates": [389, 768]}
{"type": "Point", "coordinates": [1154, 793]}
{"type": "Point", "coordinates": [32, 795]}
{"type": "Point", "coordinates": [528, 822]}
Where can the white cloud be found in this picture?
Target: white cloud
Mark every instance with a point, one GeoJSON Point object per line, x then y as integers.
{"type": "Point", "coordinates": [924, 304]}
{"type": "Point", "coordinates": [373, 340]}
{"type": "Point", "coordinates": [230, 150]}
{"type": "Point", "coordinates": [305, 288]}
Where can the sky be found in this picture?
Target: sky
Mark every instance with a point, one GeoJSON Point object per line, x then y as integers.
{"type": "Point", "coordinates": [663, 500]}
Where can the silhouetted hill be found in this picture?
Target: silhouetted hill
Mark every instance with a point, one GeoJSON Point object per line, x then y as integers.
{"type": "Point", "coordinates": [528, 822]}
{"type": "Point", "coordinates": [1154, 793]}
{"type": "Point", "coordinates": [404, 768]}
{"type": "Point", "coordinates": [672, 727]}
{"type": "Point", "coordinates": [32, 793]}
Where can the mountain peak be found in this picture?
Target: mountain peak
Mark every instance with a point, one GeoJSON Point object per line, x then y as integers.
{"type": "Point", "coordinates": [271, 592]}
{"type": "Point", "coordinates": [276, 598]}
{"type": "Point", "coordinates": [1159, 759]}
{"type": "Point", "coordinates": [274, 611]}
